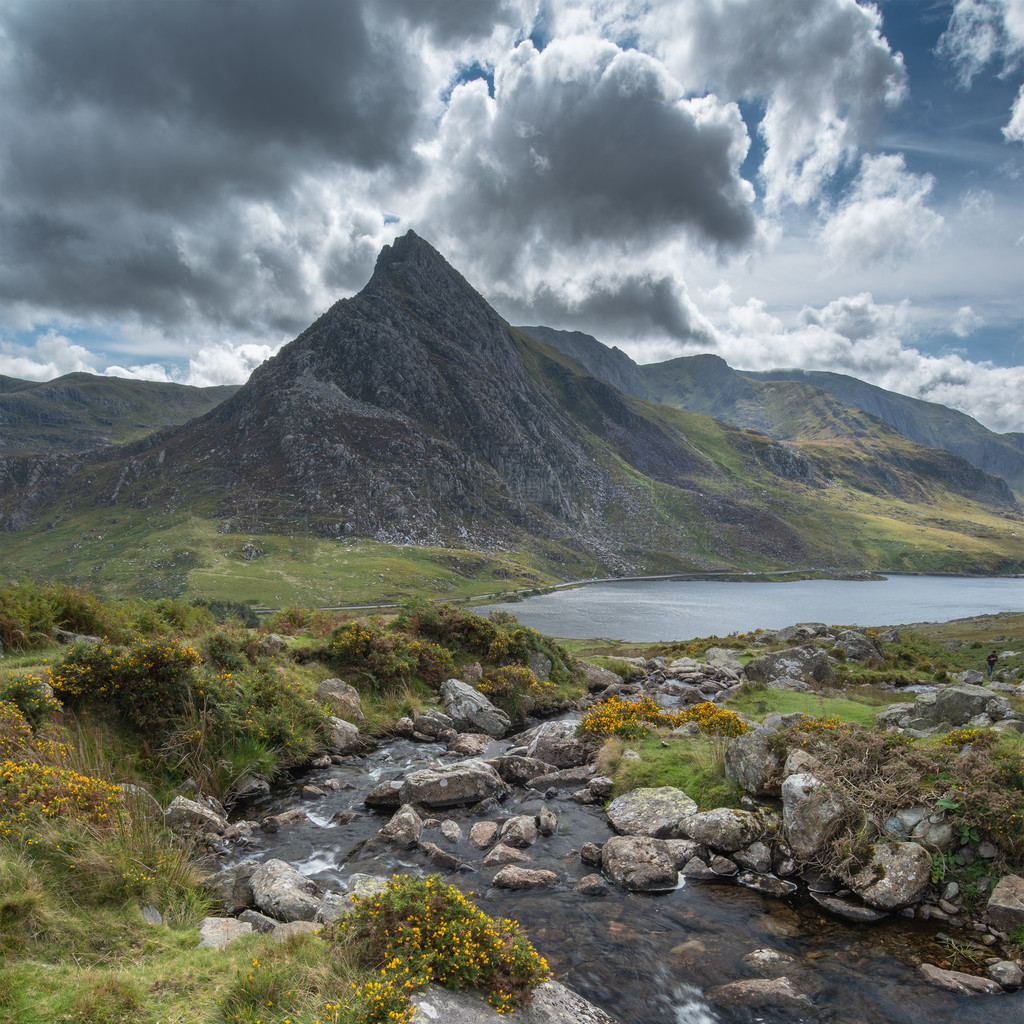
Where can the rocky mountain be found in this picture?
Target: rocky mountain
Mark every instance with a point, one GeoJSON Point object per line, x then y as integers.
{"type": "Point", "coordinates": [413, 414]}
{"type": "Point", "coordinates": [795, 405]}
{"type": "Point", "coordinates": [80, 411]}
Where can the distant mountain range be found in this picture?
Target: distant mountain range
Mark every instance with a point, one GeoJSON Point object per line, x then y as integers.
{"type": "Point", "coordinates": [413, 414]}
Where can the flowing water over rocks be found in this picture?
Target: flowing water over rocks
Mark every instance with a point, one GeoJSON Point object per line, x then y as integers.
{"type": "Point", "coordinates": [695, 954]}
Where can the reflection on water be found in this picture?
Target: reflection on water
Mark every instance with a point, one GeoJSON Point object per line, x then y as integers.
{"type": "Point", "coordinates": [647, 959]}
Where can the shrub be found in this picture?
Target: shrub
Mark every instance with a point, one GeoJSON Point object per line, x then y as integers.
{"type": "Point", "coordinates": [388, 658]}
{"type": "Point", "coordinates": [420, 930]}
{"type": "Point", "coordinates": [514, 689]}
{"type": "Point", "coordinates": [147, 684]}
{"type": "Point", "coordinates": [15, 732]}
{"type": "Point", "coordinates": [229, 611]}
{"type": "Point", "coordinates": [29, 694]}
{"type": "Point", "coordinates": [32, 791]}
{"type": "Point", "coordinates": [633, 719]}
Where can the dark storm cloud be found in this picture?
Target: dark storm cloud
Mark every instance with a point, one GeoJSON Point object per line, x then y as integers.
{"type": "Point", "coordinates": [131, 129]}
{"type": "Point", "coordinates": [636, 306]}
{"type": "Point", "coordinates": [585, 143]}
{"type": "Point", "coordinates": [449, 22]}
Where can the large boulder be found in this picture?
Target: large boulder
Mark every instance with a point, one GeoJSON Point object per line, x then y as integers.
{"type": "Point", "coordinates": [639, 863]}
{"type": "Point", "coordinates": [724, 828]}
{"type": "Point", "coordinates": [404, 828]}
{"type": "Point", "coordinates": [518, 770]}
{"type": "Point", "coordinates": [344, 738]}
{"type": "Point", "coordinates": [471, 711]}
{"type": "Point", "coordinates": [651, 812]}
{"type": "Point", "coordinates": [342, 700]}
{"type": "Point", "coordinates": [809, 813]}
{"type": "Point", "coordinates": [466, 782]}
{"type": "Point", "coordinates": [750, 761]}
{"type": "Point", "coordinates": [184, 816]}
{"type": "Point", "coordinates": [599, 678]}
{"type": "Point", "coordinates": [557, 744]}
{"type": "Point", "coordinates": [809, 664]}
{"type": "Point", "coordinates": [897, 875]}
{"type": "Point", "coordinates": [955, 706]}
{"type": "Point", "coordinates": [1005, 909]}
{"type": "Point", "coordinates": [283, 893]}
{"type": "Point", "coordinates": [859, 645]}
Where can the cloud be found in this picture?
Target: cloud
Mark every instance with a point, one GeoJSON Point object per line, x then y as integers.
{"type": "Point", "coordinates": [966, 322]}
{"type": "Point", "coordinates": [884, 220]}
{"type": "Point", "coordinates": [50, 355]}
{"type": "Point", "coordinates": [822, 68]}
{"type": "Point", "coordinates": [226, 363]}
{"type": "Point", "coordinates": [982, 33]}
{"type": "Point", "coordinates": [868, 340]}
{"type": "Point", "coordinates": [163, 133]}
{"type": "Point", "coordinates": [586, 144]}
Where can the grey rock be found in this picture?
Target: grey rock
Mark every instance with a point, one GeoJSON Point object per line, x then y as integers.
{"type": "Point", "coordinates": [767, 884]}
{"type": "Point", "coordinates": [285, 931]}
{"type": "Point", "coordinates": [184, 815]}
{"type": "Point", "coordinates": [433, 723]}
{"type": "Point", "coordinates": [514, 877]}
{"type": "Point", "coordinates": [341, 699]}
{"type": "Point", "coordinates": [540, 665]}
{"type": "Point", "coordinates": [756, 857]}
{"type": "Point", "coordinates": [639, 863]}
{"type": "Point", "coordinates": [258, 922]}
{"type": "Point", "coordinates": [440, 858]}
{"type": "Point", "coordinates": [591, 885]}
{"type": "Point", "coordinates": [551, 1003]}
{"type": "Point", "coordinates": [724, 828]}
{"type": "Point", "coordinates": [344, 737]}
{"type": "Point", "coordinates": [520, 831]}
{"type": "Point", "coordinates": [897, 875]}
{"type": "Point", "coordinates": [682, 851]}
{"type": "Point", "coordinates": [599, 678]}
{"type": "Point", "coordinates": [847, 909]}
{"type": "Point", "coordinates": [470, 744]}
{"type": "Point", "coordinates": [751, 763]}
{"type": "Point", "coordinates": [858, 645]}
{"type": "Point", "coordinates": [774, 993]}
{"type": "Point", "coordinates": [404, 828]}
{"type": "Point", "coordinates": [547, 822]}
{"type": "Point", "coordinates": [451, 831]}
{"type": "Point", "coordinates": [557, 744]}
{"type": "Point", "coordinates": [502, 854]}
{"type": "Point", "coordinates": [518, 770]}
{"type": "Point", "coordinates": [471, 711]}
{"type": "Point", "coordinates": [284, 893]}
{"type": "Point", "coordinates": [1006, 974]}
{"type": "Point", "coordinates": [220, 931]}
{"type": "Point", "coordinates": [809, 664]}
{"type": "Point", "coordinates": [956, 981]}
{"type": "Point", "coordinates": [482, 834]}
{"type": "Point", "coordinates": [699, 869]}
{"type": "Point", "coordinates": [1005, 909]}
{"type": "Point", "coordinates": [467, 782]}
{"type": "Point", "coordinates": [809, 811]}
{"type": "Point", "coordinates": [333, 906]}
{"type": "Point", "coordinates": [652, 812]}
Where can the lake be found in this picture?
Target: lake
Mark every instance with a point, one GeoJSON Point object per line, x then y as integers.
{"type": "Point", "coordinates": [645, 611]}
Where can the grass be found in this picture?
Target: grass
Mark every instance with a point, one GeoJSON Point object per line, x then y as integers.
{"type": "Point", "coordinates": [758, 701]}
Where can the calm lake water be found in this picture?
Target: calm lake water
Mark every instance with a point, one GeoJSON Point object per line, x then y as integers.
{"type": "Point", "coordinates": [655, 610]}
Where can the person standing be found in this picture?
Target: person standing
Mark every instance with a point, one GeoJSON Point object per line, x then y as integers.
{"type": "Point", "coordinates": [991, 662]}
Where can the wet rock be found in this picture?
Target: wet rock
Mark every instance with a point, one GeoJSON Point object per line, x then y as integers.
{"type": "Point", "coordinates": [809, 811]}
{"type": "Point", "coordinates": [440, 858]}
{"type": "Point", "coordinates": [768, 884]}
{"type": "Point", "coordinates": [639, 863]}
{"type": "Point", "coordinates": [551, 1003]}
{"type": "Point", "coordinates": [563, 778]}
{"type": "Point", "coordinates": [502, 854]}
{"type": "Point", "coordinates": [699, 869]}
{"type": "Point", "coordinates": [723, 866]}
{"type": "Point", "coordinates": [467, 782]}
{"type": "Point", "coordinates": [311, 792]}
{"type": "Point", "coordinates": [482, 834]}
{"type": "Point", "coordinates": [724, 828]}
{"type": "Point", "coordinates": [518, 770]}
{"type": "Point", "coordinates": [756, 857]}
{"type": "Point", "coordinates": [897, 875]}
{"type": "Point", "coordinates": [471, 744]}
{"type": "Point", "coordinates": [404, 828]}
{"type": "Point", "coordinates": [591, 885]}
{"type": "Point", "coordinates": [773, 963]}
{"type": "Point", "coordinates": [654, 812]}
{"type": "Point", "coordinates": [547, 822]}
{"type": "Point", "coordinates": [276, 822]}
{"type": "Point", "coordinates": [451, 831]}
{"type": "Point", "coordinates": [513, 877]}
{"type": "Point", "coordinates": [682, 851]}
{"type": "Point", "coordinates": [220, 931]}
{"type": "Point", "coordinates": [775, 993]}
{"type": "Point", "coordinates": [590, 853]}
{"type": "Point", "coordinates": [385, 796]}
{"type": "Point", "coordinates": [1006, 974]}
{"type": "Point", "coordinates": [471, 711]}
{"type": "Point", "coordinates": [344, 737]}
{"type": "Point", "coordinates": [284, 893]}
{"type": "Point", "coordinates": [956, 981]}
{"type": "Point", "coordinates": [433, 724]}
{"type": "Point", "coordinates": [1005, 909]}
{"type": "Point", "coordinates": [847, 909]}
{"type": "Point", "coordinates": [751, 763]}
{"type": "Point", "coordinates": [520, 831]}
{"type": "Point", "coordinates": [557, 744]}
{"type": "Point", "coordinates": [404, 727]}
{"type": "Point", "coordinates": [342, 700]}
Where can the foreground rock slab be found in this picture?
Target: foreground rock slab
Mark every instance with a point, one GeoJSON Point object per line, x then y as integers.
{"type": "Point", "coordinates": [552, 1003]}
{"type": "Point", "coordinates": [467, 782]}
{"type": "Point", "coordinates": [777, 993]}
{"type": "Point", "coordinates": [651, 812]}
{"type": "Point", "coordinates": [962, 984]}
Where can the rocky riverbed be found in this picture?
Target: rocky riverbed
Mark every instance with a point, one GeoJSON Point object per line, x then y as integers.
{"type": "Point", "coordinates": [653, 911]}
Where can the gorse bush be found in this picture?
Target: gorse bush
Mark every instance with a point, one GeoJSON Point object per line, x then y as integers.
{"type": "Point", "coordinates": [148, 684]}
{"type": "Point", "coordinates": [633, 718]}
{"type": "Point", "coordinates": [29, 791]}
{"type": "Point", "coordinates": [422, 931]}
{"type": "Point", "coordinates": [515, 689]}
{"type": "Point", "coordinates": [29, 611]}
{"type": "Point", "coordinates": [29, 695]}
{"type": "Point", "coordinates": [385, 658]}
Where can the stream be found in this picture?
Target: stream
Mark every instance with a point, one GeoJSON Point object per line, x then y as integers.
{"type": "Point", "coordinates": [645, 958]}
